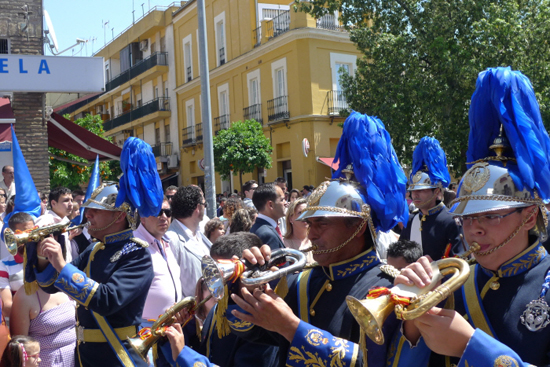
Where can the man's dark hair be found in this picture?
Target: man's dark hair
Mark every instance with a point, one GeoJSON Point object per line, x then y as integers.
{"type": "Point", "coordinates": [185, 201]}
{"type": "Point", "coordinates": [170, 188]}
{"type": "Point", "coordinates": [78, 192]}
{"type": "Point", "coordinates": [234, 244]}
{"type": "Point", "coordinates": [4, 168]}
{"type": "Point", "coordinates": [19, 218]}
{"type": "Point", "coordinates": [263, 194]}
{"type": "Point", "coordinates": [410, 250]}
{"type": "Point", "coordinates": [280, 180]}
{"type": "Point", "coordinates": [248, 185]}
{"type": "Point", "coordinates": [57, 192]}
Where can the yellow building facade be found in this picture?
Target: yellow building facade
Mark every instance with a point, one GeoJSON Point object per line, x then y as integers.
{"type": "Point", "coordinates": [268, 63]}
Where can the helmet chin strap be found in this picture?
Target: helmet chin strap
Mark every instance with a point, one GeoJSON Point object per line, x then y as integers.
{"type": "Point", "coordinates": [107, 226]}
{"type": "Point", "coordinates": [505, 242]}
{"type": "Point", "coordinates": [331, 250]}
{"type": "Point", "coordinates": [426, 201]}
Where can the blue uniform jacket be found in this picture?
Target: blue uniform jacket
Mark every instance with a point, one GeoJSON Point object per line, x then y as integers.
{"type": "Point", "coordinates": [493, 303]}
{"type": "Point", "coordinates": [328, 330]}
{"type": "Point", "coordinates": [438, 230]}
{"type": "Point", "coordinates": [120, 276]}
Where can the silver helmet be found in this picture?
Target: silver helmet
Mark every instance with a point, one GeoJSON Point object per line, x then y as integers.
{"type": "Point", "coordinates": [421, 181]}
{"type": "Point", "coordinates": [336, 198]}
{"type": "Point", "coordinates": [487, 188]}
{"type": "Point", "coordinates": [104, 198]}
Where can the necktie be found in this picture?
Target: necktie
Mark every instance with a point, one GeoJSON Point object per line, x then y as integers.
{"type": "Point", "coordinates": [279, 232]}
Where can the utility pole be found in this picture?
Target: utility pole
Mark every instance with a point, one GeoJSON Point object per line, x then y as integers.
{"type": "Point", "coordinates": [209, 178]}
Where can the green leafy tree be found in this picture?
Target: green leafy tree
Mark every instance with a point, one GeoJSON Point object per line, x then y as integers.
{"type": "Point", "coordinates": [422, 57]}
{"type": "Point", "coordinates": [72, 175]}
{"type": "Point", "coordinates": [241, 149]}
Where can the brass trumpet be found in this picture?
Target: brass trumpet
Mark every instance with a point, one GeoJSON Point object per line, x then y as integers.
{"type": "Point", "coordinates": [216, 275]}
{"type": "Point", "coordinates": [372, 313]}
{"type": "Point", "coordinates": [143, 341]}
{"type": "Point", "coordinates": [15, 240]}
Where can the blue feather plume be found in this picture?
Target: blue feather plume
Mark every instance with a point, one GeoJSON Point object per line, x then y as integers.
{"type": "Point", "coordinates": [366, 144]}
{"type": "Point", "coordinates": [429, 153]}
{"type": "Point", "coordinates": [506, 97]}
{"type": "Point", "coordinates": [140, 182]}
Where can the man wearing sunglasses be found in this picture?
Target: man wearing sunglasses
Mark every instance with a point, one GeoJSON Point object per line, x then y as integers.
{"type": "Point", "coordinates": [166, 288]}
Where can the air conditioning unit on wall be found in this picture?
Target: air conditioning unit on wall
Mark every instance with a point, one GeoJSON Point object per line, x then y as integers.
{"type": "Point", "coordinates": [173, 161]}
{"type": "Point", "coordinates": [143, 45]}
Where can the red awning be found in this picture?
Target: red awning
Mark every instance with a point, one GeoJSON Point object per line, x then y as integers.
{"type": "Point", "coordinates": [328, 162]}
{"type": "Point", "coordinates": [6, 113]}
{"type": "Point", "coordinates": [5, 132]}
{"type": "Point", "coordinates": [68, 136]}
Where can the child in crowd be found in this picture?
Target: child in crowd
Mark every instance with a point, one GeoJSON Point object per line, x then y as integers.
{"type": "Point", "coordinates": [22, 351]}
{"type": "Point", "coordinates": [403, 253]}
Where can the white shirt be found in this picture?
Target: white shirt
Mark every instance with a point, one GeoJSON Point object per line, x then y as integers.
{"type": "Point", "coordinates": [10, 191]}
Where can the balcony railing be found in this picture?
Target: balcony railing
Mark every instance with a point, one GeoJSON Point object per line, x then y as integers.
{"type": "Point", "coordinates": [159, 104]}
{"type": "Point", "coordinates": [279, 24]}
{"type": "Point", "coordinates": [162, 149]}
{"type": "Point", "coordinates": [257, 35]}
{"type": "Point", "coordinates": [330, 21]}
{"type": "Point", "coordinates": [221, 123]}
{"type": "Point", "coordinates": [188, 137]}
{"type": "Point", "coordinates": [336, 102]}
{"type": "Point", "coordinates": [189, 76]}
{"type": "Point", "coordinates": [199, 132]}
{"type": "Point", "coordinates": [222, 55]}
{"type": "Point", "coordinates": [277, 109]}
{"type": "Point", "coordinates": [78, 105]}
{"type": "Point", "coordinates": [253, 112]}
{"type": "Point", "coordinates": [158, 58]}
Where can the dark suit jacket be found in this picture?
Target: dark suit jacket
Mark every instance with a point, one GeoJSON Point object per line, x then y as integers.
{"type": "Point", "coordinates": [267, 233]}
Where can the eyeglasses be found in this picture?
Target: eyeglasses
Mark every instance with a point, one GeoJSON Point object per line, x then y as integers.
{"type": "Point", "coordinates": [169, 197]}
{"type": "Point", "coordinates": [489, 219]}
{"type": "Point", "coordinates": [167, 212]}
{"type": "Point", "coordinates": [205, 204]}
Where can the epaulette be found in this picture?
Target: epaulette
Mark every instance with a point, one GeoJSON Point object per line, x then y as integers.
{"type": "Point", "coordinates": [390, 270]}
{"type": "Point", "coordinates": [140, 242]}
{"type": "Point", "coordinates": [312, 265]}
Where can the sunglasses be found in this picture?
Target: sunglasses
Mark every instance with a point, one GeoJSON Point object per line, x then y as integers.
{"type": "Point", "coordinates": [167, 212]}
{"type": "Point", "coordinates": [169, 197]}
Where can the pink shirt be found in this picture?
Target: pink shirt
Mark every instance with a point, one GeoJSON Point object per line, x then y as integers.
{"type": "Point", "coordinates": [166, 286]}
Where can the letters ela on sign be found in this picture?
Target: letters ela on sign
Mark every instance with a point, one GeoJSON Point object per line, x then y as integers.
{"type": "Point", "coordinates": [5, 67]}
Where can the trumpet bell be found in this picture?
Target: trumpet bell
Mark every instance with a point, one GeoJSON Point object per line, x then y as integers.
{"type": "Point", "coordinates": [142, 346]}
{"type": "Point", "coordinates": [371, 315]}
{"type": "Point", "coordinates": [11, 241]}
{"type": "Point", "coordinates": [216, 274]}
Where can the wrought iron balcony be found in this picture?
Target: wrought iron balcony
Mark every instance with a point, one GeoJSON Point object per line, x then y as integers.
{"type": "Point", "coordinates": [162, 149]}
{"type": "Point", "coordinates": [188, 137]}
{"type": "Point", "coordinates": [221, 123]}
{"type": "Point", "coordinates": [330, 22]}
{"type": "Point", "coordinates": [199, 132]}
{"type": "Point", "coordinates": [159, 104]}
{"type": "Point", "coordinates": [189, 76]}
{"type": "Point", "coordinates": [336, 102]}
{"type": "Point", "coordinates": [222, 55]}
{"type": "Point", "coordinates": [158, 58]}
{"type": "Point", "coordinates": [277, 109]}
{"type": "Point", "coordinates": [253, 112]}
{"type": "Point", "coordinates": [279, 24]}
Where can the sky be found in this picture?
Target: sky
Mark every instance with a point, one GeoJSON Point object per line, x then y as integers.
{"type": "Point", "coordinates": [84, 19]}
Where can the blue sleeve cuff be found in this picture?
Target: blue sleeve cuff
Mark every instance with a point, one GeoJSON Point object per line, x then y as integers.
{"type": "Point", "coordinates": [483, 350]}
{"type": "Point", "coordinates": [76, 284]}
{"type": "Point", "coordinates": [189, 358]}
{"type": "Point", "coordinates": [401, 352]}
{"type": "Point", "coordinates": [313, 346]}
{"type": "Point", "coordinates": [47, 277]}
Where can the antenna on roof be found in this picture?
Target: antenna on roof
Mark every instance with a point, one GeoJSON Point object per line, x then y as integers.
{"type": "Point", "coordinates": [52, 39]}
